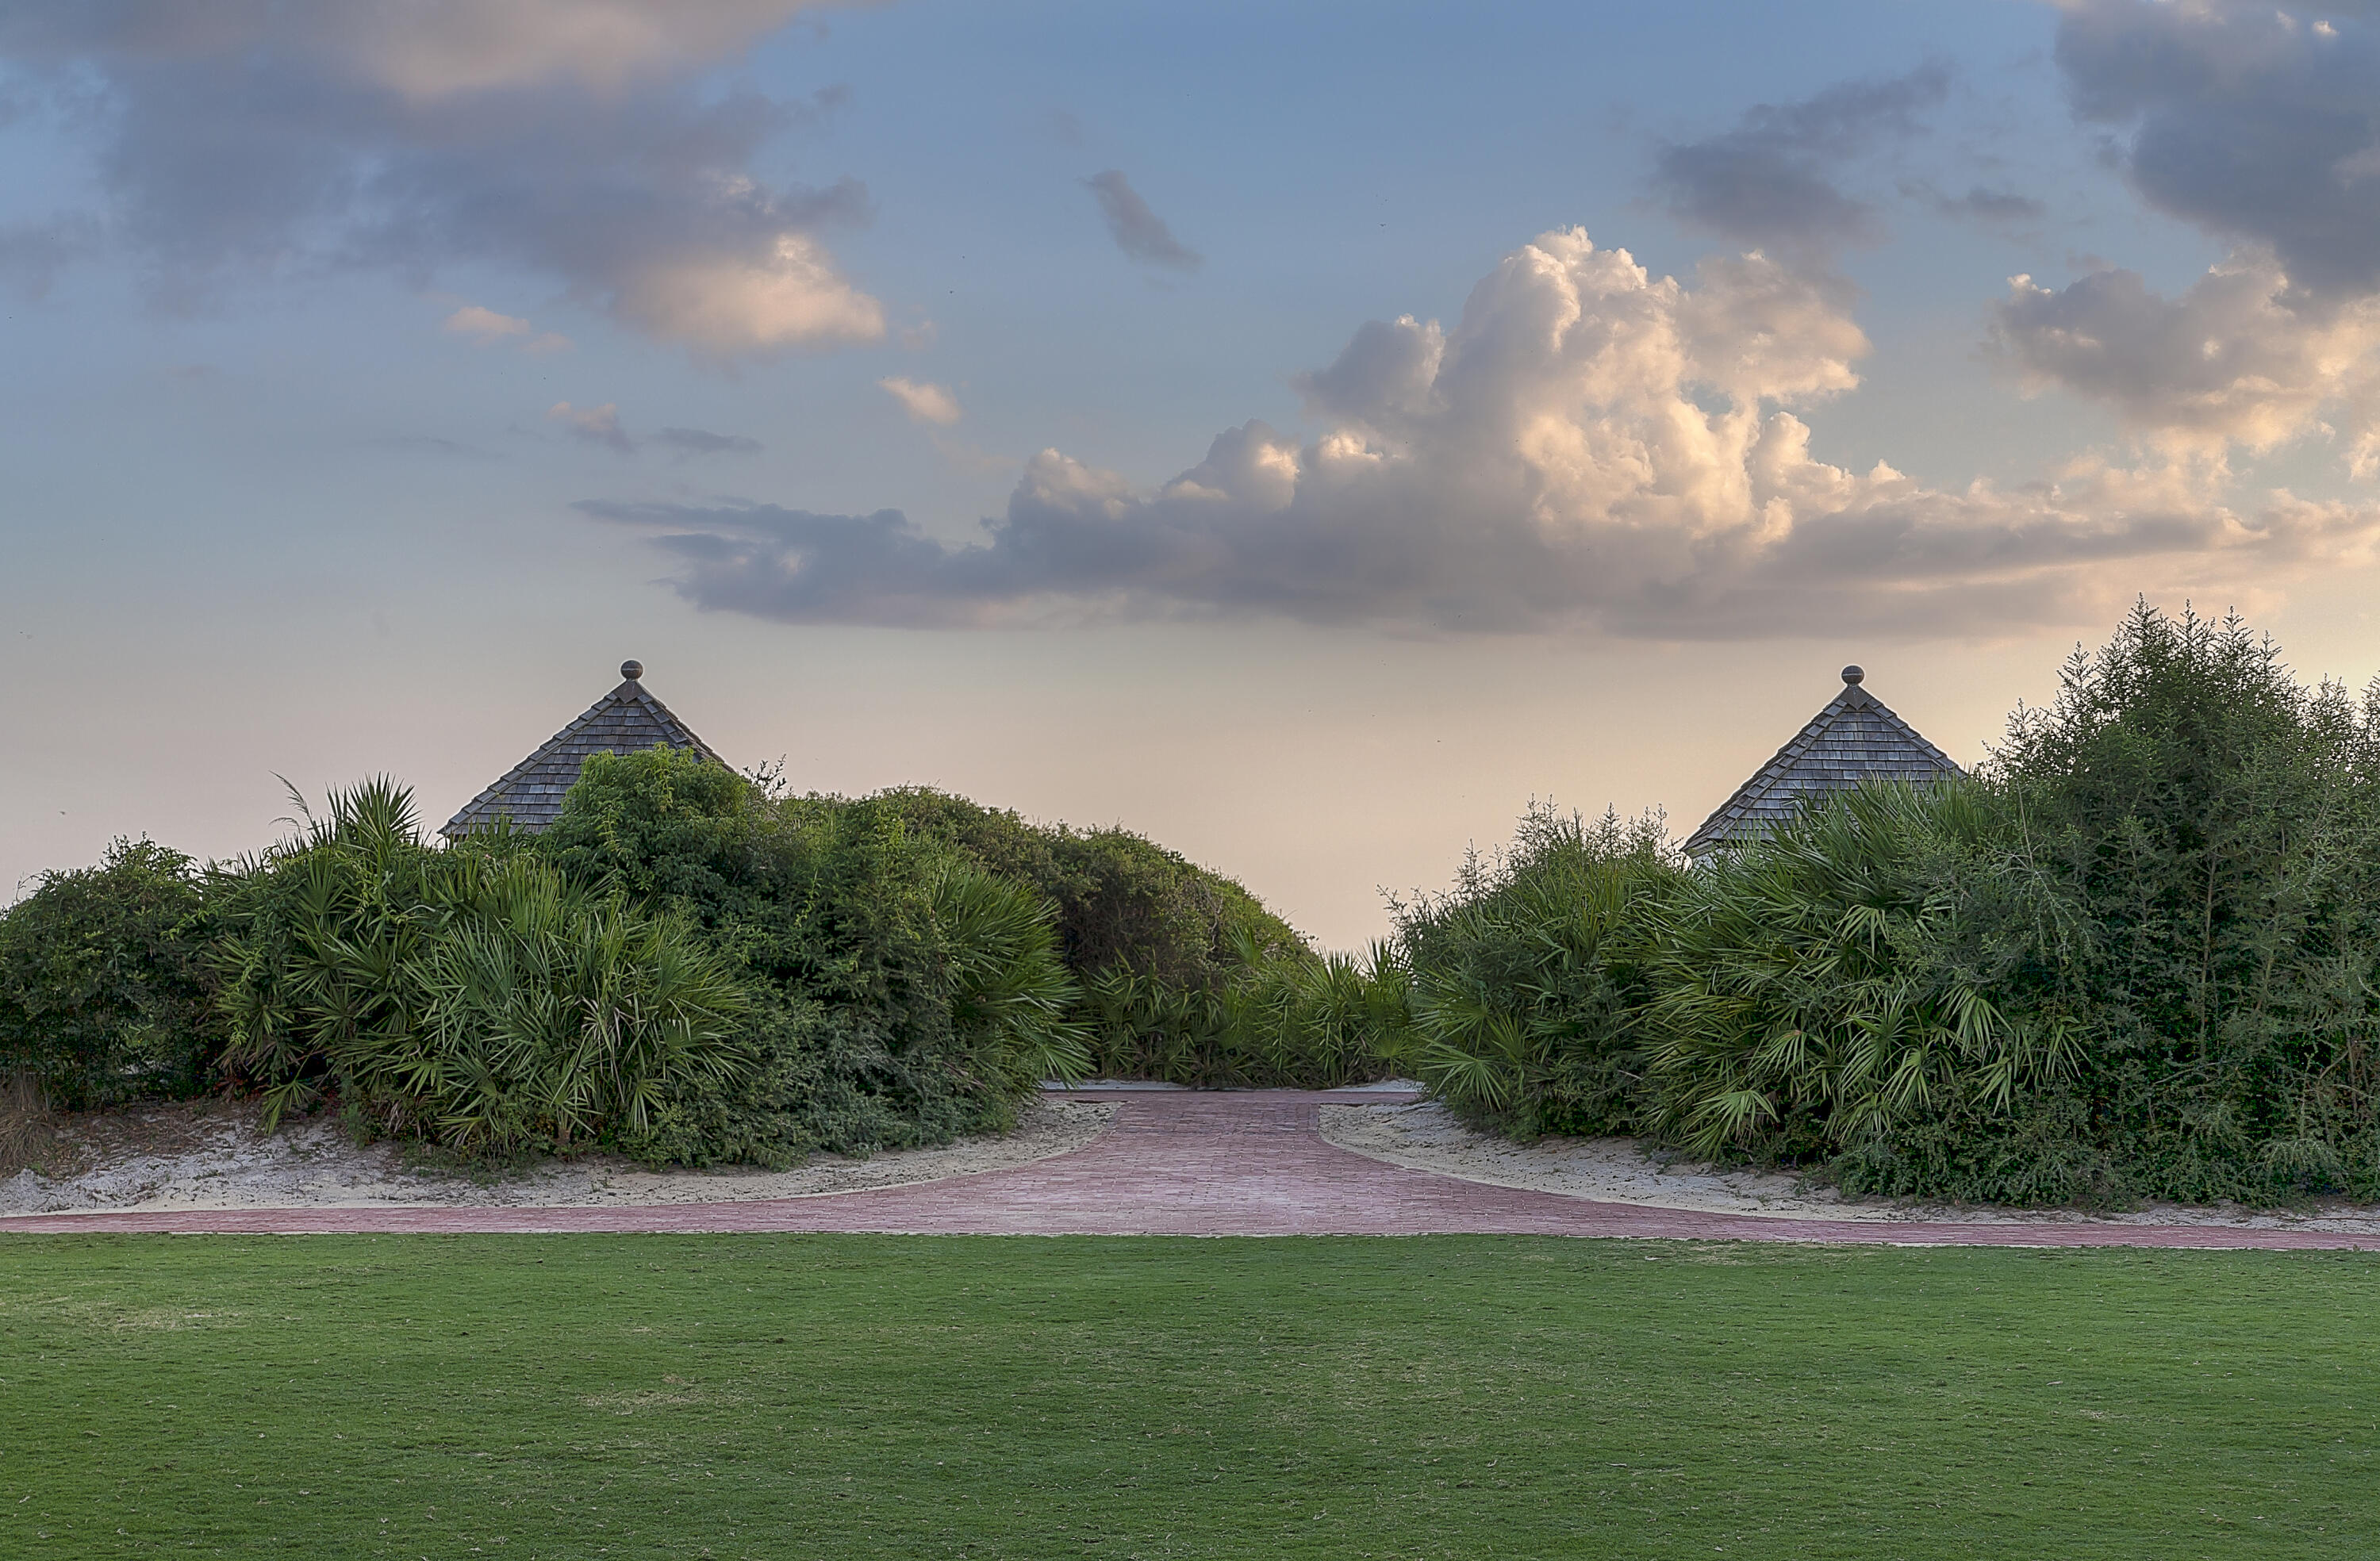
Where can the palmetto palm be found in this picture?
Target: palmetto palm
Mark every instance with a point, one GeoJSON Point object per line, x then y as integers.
{"type": "Point", "coordinates": [476, 997]}
{"type": "Point", "coordinates": [1796, 1001]}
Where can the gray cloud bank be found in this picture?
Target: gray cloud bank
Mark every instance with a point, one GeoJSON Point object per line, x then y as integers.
{"type": "Point", "coordinates": [246, 138]}
{"type": "Point", "coordinates": [1589, 447]}
{"type": "Point", "coordinates": [2258, 122]}
{"type": "Point", "coordinates": [702, 441]}
{"type": "Point", "coordinates": [602, 425]}
{"type": "Point", "coordinates": [1140, 233]}
{"type": "Point", "coordinates": [1771, 179]}
{"type": "Point", "coordinates": [2261, 126]}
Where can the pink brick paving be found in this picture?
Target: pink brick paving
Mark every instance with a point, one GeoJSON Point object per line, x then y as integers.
{"type": "Point", "coordinates": [1241, 1164]}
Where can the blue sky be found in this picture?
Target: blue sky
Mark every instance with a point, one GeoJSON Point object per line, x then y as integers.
{"type": "Point", "coordinates": [379, 380]}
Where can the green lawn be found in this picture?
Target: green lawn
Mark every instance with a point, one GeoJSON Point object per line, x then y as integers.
{"type": "Point", "coordinates": [1466, 1396]}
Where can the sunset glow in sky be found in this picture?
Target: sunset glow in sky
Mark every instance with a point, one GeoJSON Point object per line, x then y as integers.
{"type": "Point", "coordinates": [1303, 434]}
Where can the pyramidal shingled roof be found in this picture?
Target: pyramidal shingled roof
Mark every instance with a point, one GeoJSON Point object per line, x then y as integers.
{"type": "Point", "coordinates": [1855, 738]}
{"type": "Point", "coordinates": [626, 720]}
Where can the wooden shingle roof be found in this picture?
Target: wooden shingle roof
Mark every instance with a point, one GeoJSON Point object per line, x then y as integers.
{"type": "Point", "coordinates": [626, 720]}
{"type": "Point", "coordinates": [1855, 738]}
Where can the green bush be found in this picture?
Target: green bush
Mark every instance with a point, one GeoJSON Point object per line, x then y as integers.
{"type": "Point", "coordinates": [905, 995]}
{"type": "Point", "coordinates": [2211, 831]}
{"type": "Point", "coordinates": [2138, 955]}
{"type": "Point", "coordinates": [1185, 977]}
{"type": "Point", "coordinates": [1804, 994]}
{"type": "Point", "coordinates": [476, 998]}
{"type": "Point", "coordinates": [1122, 903]}
{"type": "Point", "coordinates": [1526, 978]}
{"type": "Point", "coordinates": [1284, 1019]}
{"type": "Point", "coordinates": [103, 983]}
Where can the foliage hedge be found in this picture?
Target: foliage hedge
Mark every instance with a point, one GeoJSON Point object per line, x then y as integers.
{"type": "Point", "coordinates": [474, 998]}
{"type": "Point", "coordinates": [686, 967]}
{"type": "Point", "coordinates": [2137, 955]}
{"type": "Point", "coordinates": [1158, 968]}
{"type": "Point", "coordinates": [901, 995]}
{"type": "Point", "coordinates": [103, 994]}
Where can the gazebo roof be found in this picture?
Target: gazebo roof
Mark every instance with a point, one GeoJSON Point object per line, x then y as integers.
{"type": "Point", "coordinates": [1855, 738]}
{"type": "Point", "coordinates": [626, 720]}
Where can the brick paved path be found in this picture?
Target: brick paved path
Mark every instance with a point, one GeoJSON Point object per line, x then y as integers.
{"type": "Point", "coordinates": [1241, 1164]}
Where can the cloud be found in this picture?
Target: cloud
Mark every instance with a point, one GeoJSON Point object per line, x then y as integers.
{"type": "Point", "coordinates": [2235, 360]}
{"type": "Point", "coordinates": [430, 53]}
{"type": "Point", "coordinates": [1140, 233]}
{"type": "Point", "coordinates": [32, 254]}
{"type": "Point", "coordinates": [924, 403]}
{"type": "Point", "coordinates": [602, 425]}
{"type": "Point", "coordinates": [246, 138]}
{"type": "Point", "coordinates": [1769, 181]}
{"type": "Point", "coordinates": [1589, 447]}
{"type": "Point", "coordinates": [1992, 208]}
{"type": "Point", "coordinates": [596, 425]}
{"type": "Point", "coordinates": [702, 441]}
{"type": "Point", "coordinates": [483, 326]}
{"type": "Point", "coordinates": [429, 444]}
{"type": "Point", "coordinates": [2257, 122]}
{"type": "Point", "coordinates": [487, 328]}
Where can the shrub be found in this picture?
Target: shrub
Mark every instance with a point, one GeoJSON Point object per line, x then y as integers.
{"type": "Point", "coordinates": [1284, 1019]}
{"type": "Point", "coordinates": [475, 999]}
{"type": "Point", "coordinates": [1122, 903]}
{"type": "Point", "coordinates": [907, 996]}
{"type": "Point", "coordinates": [102, 988]}
{"type": "Point", "coordinates": [2213, 829]}
{"type": "Point", "coordinates": [1185, 977]}
{"type": "Point", "coordinates": [2137, 955]}
{"type": "Point", "coordinates": [1526, 977]}
{"type": "Point", "coordinates": [1802, 990]}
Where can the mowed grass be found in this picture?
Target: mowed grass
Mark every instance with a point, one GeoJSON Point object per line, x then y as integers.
{"type": "Point", "coordinates": [829, 1396]}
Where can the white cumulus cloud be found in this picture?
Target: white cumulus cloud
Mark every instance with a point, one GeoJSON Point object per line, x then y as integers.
{"type": "Point", "coordinates": [1589, 447]}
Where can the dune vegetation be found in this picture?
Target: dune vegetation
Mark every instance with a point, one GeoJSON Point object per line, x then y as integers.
{"type": "Point", "coordinates": [687, 968]}
{"type": "Point", "coordinates": [2135, 955]}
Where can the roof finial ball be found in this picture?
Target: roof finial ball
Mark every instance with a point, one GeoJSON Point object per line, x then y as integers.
{"type": "Point", "coordinates": [632, 670]}
{"type": "Point", "coordinates": [1853, 675]}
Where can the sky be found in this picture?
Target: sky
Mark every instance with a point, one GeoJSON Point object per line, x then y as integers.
{"type": "Point", "coordinates": [1308, 436]}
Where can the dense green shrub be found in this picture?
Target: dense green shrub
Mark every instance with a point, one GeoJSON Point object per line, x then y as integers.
{"type": "Point", "coordinates": [1282, 1018]}
{"type": "Point", "coordinates": [102, 988]}
{"type": "Point", "coordinates": [2137, 955]}
{"type": "Point", "coordinates": [476, 997]}
{"type": "Point", "coordinates": [2211, 829]}
{"type": "Point", "coordinates": [1123, 904]}
{"type": "Point", "coordinates": [1185, 976]}
{"type": "Point", "coordinates": [1527, 977]}
{"type": "Point", "coordinates": [1805, 993]}
{"type": "Point", "coordinates": [905, 995]}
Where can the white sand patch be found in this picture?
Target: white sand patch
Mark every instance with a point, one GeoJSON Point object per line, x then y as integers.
{"type": "Point", "coordinates": [1426, 1136]}
{"type": "Point", "coordinates": [214, 1158]}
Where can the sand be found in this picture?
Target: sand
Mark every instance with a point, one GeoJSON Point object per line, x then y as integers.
{"type": "Point", "coordinates": [1426, 1136]}
{"type": "Point", "coordinates": [213, 1156]}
